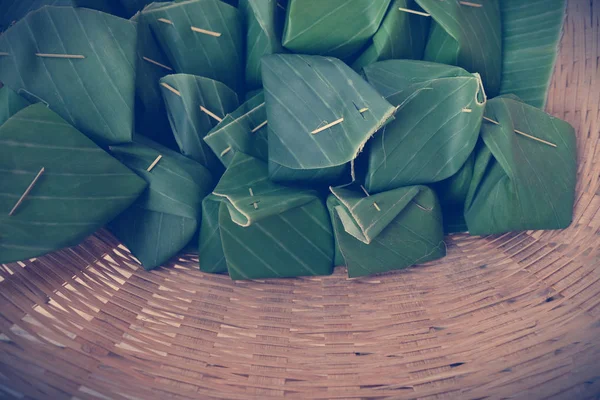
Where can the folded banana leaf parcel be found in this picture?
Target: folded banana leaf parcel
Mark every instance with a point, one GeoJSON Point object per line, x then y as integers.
{"type": "Point", "coordinates": [320, 114]}
{"type": "Point", "coordinates": [253, 228]}
{"type": "Point", "coordinates": [56, 186]}
{"type": "Point", "coordinates": [386, 231]}
{"type": "Point", "coordinates": [524, 174]}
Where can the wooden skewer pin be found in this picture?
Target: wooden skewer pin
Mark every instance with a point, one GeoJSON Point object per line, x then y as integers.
{"type": "Point", "coordinates": [151, 167]}
{"type": "Point", "coordinates": [252, 195]}
{"type": "Point", "coordinates": [467, 110]}
{"type": "Point", "coordinates": [165, 21]}
{"type": "Point", "coordinates": [368, 195]}
{"type": "Point", "coordinates": [171, 88]}
{"type": "Point", "coordinates": [321, 129]}
{"type": "Point", "coordinates": [157, 63]}
{"type": "Point", "coordinates": [523, 133]}
{"type": "Point", "coordinates": [48, 55]}
{"type": "Point", "coordinates": [210, 114]}
{"type": "Point", "coordinates": [29, 188]}
{"type": "Point", "coordinates": [468, 3]}
{"type": "Point", "coordinates": [227, 150]}
{"type": "Point", "coordinates": [2, 53]}
{"type": "Point", "coordinates": [363, 110]}
{"type": "Point", "coordinates": [206, 32]}
{"type": "Point", "coordinates": [408, 10]}
{"type": "Point", "coordinates": [259, 126]}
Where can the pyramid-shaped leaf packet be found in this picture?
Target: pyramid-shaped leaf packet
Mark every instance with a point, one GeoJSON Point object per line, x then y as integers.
{"type": "Point", "coordinates": [151, 65]}
{"type": "Point", "coordinates": [467, 34]}
{"type": "Point", "coordinates": [320, 115]}
{"type": "Point", "coordinates": [201, 37]}
{"type": "Point", "coordinates": [531, 32]}
{"type": "Point", "coordinates": [79, 61]}
{"type": "Point", "coordinates": [196, 105]}
{"type": "Point", "coordinates": [436, 126]}
{"type": "Point", "coordinates": [10, 104]}
{"type": "Point", "coordinates": [336, 28]}
{"type": "Point", "coordinates": [167, 215]}
{"type": "Point", "coordinates": [244, 130]}
{"type": "Point", "coordinates": [525, 173]}
{"type": "Point", "coordinates": [452, 193]}
{"type": "Point", "coordinates": [401, 35]}
{"type": "Point", "coordinates": [387, 231]}
{"type": "Point", "coordinates": [264, 20]}
{"type": "Point", "coordinates": [56, 186]}
{"type": "Point", "coordinates": [268, 230]}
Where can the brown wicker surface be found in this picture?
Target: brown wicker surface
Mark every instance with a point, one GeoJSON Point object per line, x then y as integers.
{"type": "Point", "coordinates": [517, 314]}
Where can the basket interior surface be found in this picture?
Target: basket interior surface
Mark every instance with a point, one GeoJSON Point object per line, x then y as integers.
{"type": "Point", "coordinates": [501, 315]}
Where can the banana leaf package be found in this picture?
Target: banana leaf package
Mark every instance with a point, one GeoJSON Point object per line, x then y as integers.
{"type": "Point", "coordinates": [387, 231]}
{"type": "Point", "coordinates": [266, 230]}
{"type": "Point", "coordinates": [467, 36]}
{"type": "Point", "coordinates": [56, 186]}
{"type": "Point", "coordinates": [264, 20]}
{"type": "Point", "coordinates": [531, 32]}
{"type": "Point", "coordinates": [244, 130]}
{"type": "Point", "coordinates": [81, 63]}
{"type": "Point", "coordinates": [195, 105]}
{"type": "Point", "coordinates": [401, 35]}
{"type": "Point", "coordinates": [436, 126]}
{"type": "Point", "coordinates": [336, 28]}
{"type": "Point", "coordinates": [525, 173]}
{"type": "Point", "coordinates": [167, 215]}
{"type": "Point", "coordinates": [320, 115]}
{"type": "Point", "coordinates": [201, 37]}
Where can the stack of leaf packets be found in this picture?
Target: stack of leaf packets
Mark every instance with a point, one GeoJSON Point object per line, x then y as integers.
{"type": "Point", "coordinates": [279, 138]}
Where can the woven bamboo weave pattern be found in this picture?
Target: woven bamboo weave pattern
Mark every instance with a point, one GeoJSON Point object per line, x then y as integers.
{"type": "Point", "coordinates": [517, 314]}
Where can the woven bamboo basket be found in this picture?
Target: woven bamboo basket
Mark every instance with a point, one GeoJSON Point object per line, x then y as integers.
{"type": "Point", "coordinates": [516, 315]}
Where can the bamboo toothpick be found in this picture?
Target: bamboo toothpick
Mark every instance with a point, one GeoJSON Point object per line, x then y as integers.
{"type": "Point", "coordinates": [166, 21]}
{"type": "Point", "coordinates": [421, 207]}
{"type": "Point", "coordinates": [211, 114]}
{"type": "Point", "coordinates": [48, 55]}
{"type": "Point", "coordinates": [259, 126]}
{"type": "Point", "coordinates": [2, 53]}
{"type": "Point", "coordinates": [151, 167]}
{"type": "Point", "coordinates": [468, 3]}
{"type": "Point", "coordinates": [227, 150]}
{"type": "Point", "coordinates": [206, 32]}
{"type": "Point", "coordinates": [535, 138]}
{"type": "Point", "coordinates": [368, 195]}
{"type": "Point", "coordinates": [321, 129]}
{"type": "Point", "coordinates": [29, 188]}
{"type": "Point", "coordinates": [523, 133]}
{"type": "Point", "coordinates": [491, 120]}
{"type": "Point", "coordinates": [252, 195]}
{"type": "Point", "coordinates": [280, 6]}
{"type": "Point", "coordinates": [408, 10]}
{"type": "Point", "coordinates": [362, 110]}
{"type": "Point", "coordinates": [466, 110]}
{"type": "Point", "coordinates": [171, 88]}
{"type": "Point", "coordinates": [157, 63]}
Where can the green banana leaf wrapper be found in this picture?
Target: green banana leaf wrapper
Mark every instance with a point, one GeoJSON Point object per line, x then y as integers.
{"type": "Point", "coordinates": [335, 28]}
{"type": "Point", "coordinates": [195, 106]}
{"type": "Point", "coordinates": [266, 230]}
{"type": "Point", "coordinates": [244, 130]}
{"type": "Point", "coordinates": [387, 231]}
{"type": "Point", "coordinates": [401, 35]}
{"type": "Point", "coordinates": [320, 115]}
{"type": "Point", "coordinates": [75, 186]}
{"type": "Point", "coordinates": [467, 36]}
{"type": "Point", "coordinates": [10, 104]}
{"type": "Point", "coordinates": [167, 215]}
{"type": "Point", "coordinates": [201, 37]}
{"type": "Point", "coordinates": [435, 128]}
{"type": "Point", "coordinates": [520, 183]}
